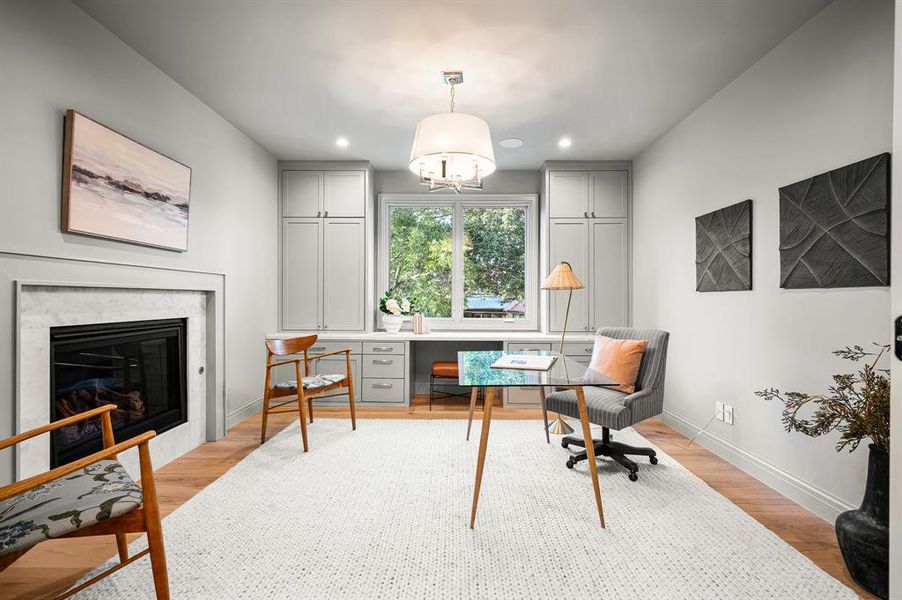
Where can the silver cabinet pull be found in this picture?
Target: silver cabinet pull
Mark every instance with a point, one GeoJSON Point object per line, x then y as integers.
{"type": "Point", "coordinates": [326, 214]}
{"type": "Point", "coordinates": [383, 348]}
{"type": "Point", "coordinates": [586, 215]}
{"type": "Point", "coordinates": [593, 214]}
{"type": "Point", "coordinates": [589, 350]}
{"type": "Point", "coordinates": [317, 348]}
{"type": "Point", "coordinates": [383, 386]}
{"type": "Point", "coordinates": [319, 213]}
{"type": "Point", "coordinates": [382, 361]}
{"type": "Point", "coordinates": [531, 350]}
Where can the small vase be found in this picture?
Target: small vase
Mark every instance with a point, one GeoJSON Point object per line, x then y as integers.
{"type": "Point", "coordinates": [863, 534]}
{"type": "Point", "coordinates": [392, 323]}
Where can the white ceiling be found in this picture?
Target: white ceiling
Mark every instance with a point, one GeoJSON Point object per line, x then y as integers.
{"type": "Point", "coordinates": [611, 75]}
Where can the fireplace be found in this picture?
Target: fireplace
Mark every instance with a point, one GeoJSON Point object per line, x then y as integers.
{"type": "Point", "coordinates": [139, 366]}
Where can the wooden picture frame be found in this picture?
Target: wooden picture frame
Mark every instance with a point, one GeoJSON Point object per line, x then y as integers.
{"type": "Point", "coordinates": [119, 189]}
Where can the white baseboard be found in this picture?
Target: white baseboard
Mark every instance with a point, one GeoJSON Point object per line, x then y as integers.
{"type": "Point", "coordinates": [236, 415]}
{"type": "Point", "coordinates": [821, 503]}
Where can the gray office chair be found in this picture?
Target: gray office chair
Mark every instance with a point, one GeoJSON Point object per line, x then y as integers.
{"type": "Point", "coordinates": [615, 410]}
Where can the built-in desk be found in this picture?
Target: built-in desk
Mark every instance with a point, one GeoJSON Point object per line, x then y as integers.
{"type": "Point", "coordinates": [386, 369]}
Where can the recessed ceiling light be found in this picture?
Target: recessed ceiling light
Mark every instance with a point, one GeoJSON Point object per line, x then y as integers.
{"type": "Point", "coordinates": [564, 143]}
{"type": "Point", "coordinates": [511, 143]}
{"type": "Point", "coordinates": [342, 142]}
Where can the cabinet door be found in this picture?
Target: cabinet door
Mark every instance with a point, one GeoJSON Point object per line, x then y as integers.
{"type": "Point", "coordinates": [302, 193]}
{"type": "Point", "coordinates": [337, 365]}
{"type": "Point", "coordinates": [344, 194]}
{"type": "Point", "coordinates": [568, 194]}
{"type": "Point", "coordinates": [610, 276]}
{"type": "Point", "coordinates": [569, 241]}
{"type": "Point", "coordinates": [301, 273]}
{"type": "Point", "coordinates": [609, 193]}
{"type": "Point", "coordinates": [344, 262]}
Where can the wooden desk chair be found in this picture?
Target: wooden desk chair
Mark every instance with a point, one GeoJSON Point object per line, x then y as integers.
{"type": "Point", "coordinates": [86, 497]}
{"type": "Point", "coordinates": [312, 386]}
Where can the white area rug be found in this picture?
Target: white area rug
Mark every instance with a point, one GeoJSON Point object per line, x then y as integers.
{"type": "Point", "coordinates": [382, 513]}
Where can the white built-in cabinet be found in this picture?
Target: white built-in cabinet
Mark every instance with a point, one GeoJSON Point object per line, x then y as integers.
{"type": "Point", "coordinates": [588, 226]}
{"type": "Point", "coordinates": [325, 246]}
{"type": "Point", "coordinates": [323, 193]}
{"type": "Point", "coordinates": [344, 263]}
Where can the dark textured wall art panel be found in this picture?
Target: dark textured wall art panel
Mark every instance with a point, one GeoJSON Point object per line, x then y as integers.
{"type": "Point", "coordinates": [723, 249]}
{"type": "Point", "coordinates": [834, 228]}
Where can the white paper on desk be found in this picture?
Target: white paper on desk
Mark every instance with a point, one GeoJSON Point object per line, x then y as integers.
{"type": "Point", "coordinates": [527, 362]}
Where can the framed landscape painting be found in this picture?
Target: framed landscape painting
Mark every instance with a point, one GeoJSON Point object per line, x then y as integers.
{"type": "Point", "coordinates": [116, 188]}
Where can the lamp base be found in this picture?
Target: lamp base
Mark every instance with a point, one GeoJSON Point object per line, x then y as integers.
{"type": "Point", "coordinates": [559, 427]}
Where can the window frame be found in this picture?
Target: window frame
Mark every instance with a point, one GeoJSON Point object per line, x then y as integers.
{"type": "Point", "coordinates": [458, 203]}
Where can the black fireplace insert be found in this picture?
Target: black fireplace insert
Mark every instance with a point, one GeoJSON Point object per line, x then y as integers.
{"type": "Point", "coordinates": [140, 366]}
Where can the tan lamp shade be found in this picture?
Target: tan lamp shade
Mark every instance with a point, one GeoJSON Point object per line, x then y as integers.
{"type": "Point", "coordinates": [562, 278]}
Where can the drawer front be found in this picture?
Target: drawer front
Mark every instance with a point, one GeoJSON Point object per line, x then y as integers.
{"type": "Point", "coordinates": [578, 348]}
{"type": "Point", "coordinates": [383, 347]}
{"type": "Point", "coordinates": [331, 345]}
{"type": "Point", "coordinates": [528, 347]}
{"type": "Point", "coordinates": [524, 396]}
{"type": "Point", "coordinates": [582, 359]}
{"type": "Point", "coordinates": [388, 391]}
{"type": "Point", "coordinates": [388, 366]}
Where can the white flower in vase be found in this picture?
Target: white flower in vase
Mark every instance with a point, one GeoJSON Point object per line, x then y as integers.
{"type": "Point", "coordinates": [393, 307]}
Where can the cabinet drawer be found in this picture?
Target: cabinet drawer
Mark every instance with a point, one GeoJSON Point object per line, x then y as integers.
{"type": "Point", "coordinates": [581, 359]}
{"type": "Point", "coordinates": [528, 347]}
{"type": "Point", "coordinates": [389, 366]}
{"type": "Point", "coordinates": [524, 396]}
{"type": "Point", "coordinates": [331, 345]}
{"type": "Point", "coordinates": [383, 347]}
{"type": "Point", "coordinates": [578, 348]}
{"type": "Point", "coordinates": [383, 390]}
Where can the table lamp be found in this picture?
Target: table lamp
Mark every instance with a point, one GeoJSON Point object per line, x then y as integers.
{"type": "Point", "coordinates": [562, 278]}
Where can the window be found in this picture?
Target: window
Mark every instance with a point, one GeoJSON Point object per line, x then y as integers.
{"type": "Point", "coordinates": [464, 262]}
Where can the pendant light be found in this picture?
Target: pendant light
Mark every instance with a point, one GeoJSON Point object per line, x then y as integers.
{"type": "Point", "coordinates": [452, 150]}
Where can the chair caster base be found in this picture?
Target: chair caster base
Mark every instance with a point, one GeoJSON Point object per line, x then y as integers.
{"type": "Point", "coordinates": [614, 450]}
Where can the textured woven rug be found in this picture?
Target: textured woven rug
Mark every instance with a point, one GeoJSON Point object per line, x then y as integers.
{"type": "Point", "coordinates": [382, 513]}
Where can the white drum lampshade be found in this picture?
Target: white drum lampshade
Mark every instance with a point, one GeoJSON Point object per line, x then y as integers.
{"type": "Point", "coordinates": [452, 148]}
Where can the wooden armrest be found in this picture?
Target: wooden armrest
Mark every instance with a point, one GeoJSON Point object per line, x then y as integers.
{"type": "Point", "coordinates": [32, 482]}
{"type": "Point", "coordinates": [56, 425]}
{"type": "Point", "coordinates": [325, 354]}
{"type": "Point", "coordinates": [283, 362]}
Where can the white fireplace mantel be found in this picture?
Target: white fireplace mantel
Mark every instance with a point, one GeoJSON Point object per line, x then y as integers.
{"type": "Point", "coordinates": [40, 306]}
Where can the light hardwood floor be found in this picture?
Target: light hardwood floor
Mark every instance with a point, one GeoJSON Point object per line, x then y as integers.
{"type": "Point", "coordinates": [53, 566]}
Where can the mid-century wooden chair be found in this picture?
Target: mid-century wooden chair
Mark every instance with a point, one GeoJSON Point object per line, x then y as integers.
{"type": "Point", "coordinates": [312, 386]}
{"type": "Point", "coordinates": [86, 497]}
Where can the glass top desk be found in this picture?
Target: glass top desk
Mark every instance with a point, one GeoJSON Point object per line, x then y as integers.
{"type": "Point", "coordinates": [475, 371]}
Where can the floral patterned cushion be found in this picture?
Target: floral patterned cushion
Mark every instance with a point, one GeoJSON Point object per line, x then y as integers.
{"type": "Point", "coordinates": [100, 491]}
{"type": "Point", "coordinates": [311, 383]}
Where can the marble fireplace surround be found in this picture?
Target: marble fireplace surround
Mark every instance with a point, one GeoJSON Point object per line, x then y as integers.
{"type": "Point", "coordinates": [40, 306]}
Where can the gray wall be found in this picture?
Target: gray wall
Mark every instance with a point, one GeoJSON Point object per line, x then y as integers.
{"type": "Point", "coordinates": [819, 100]}
{"type": "Point", "coordinates": [53, 56]}
{"type": "Point", "coordinates": [499, 182]}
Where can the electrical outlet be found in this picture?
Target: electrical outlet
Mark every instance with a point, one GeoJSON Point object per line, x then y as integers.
{"type": "Point", "coordinates": [728, 414]}
{"type": "Point", "coordinates": [719, 411]}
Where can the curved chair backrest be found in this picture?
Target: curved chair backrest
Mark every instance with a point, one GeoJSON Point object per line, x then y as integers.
{"type": "Point", "coordinates": [290, 345]}
{"type": "Point", "coordinates": [651, 371]}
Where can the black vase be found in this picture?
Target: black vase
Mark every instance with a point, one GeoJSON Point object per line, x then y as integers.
{"type": "Point", "coordinates": [863, 534]}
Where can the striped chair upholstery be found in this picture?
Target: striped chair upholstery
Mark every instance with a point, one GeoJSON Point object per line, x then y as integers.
{"type": "Point", "coordinates": [616, 410]}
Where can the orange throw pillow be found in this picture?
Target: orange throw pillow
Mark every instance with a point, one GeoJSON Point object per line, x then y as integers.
{"type": "Point", "coordinates": [619, 360]}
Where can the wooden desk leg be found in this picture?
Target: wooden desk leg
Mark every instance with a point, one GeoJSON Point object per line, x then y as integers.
{"type": "Point", "coordinates": [545, 415]}
{"type": "Point", "coordinates": [590, 450]}
{"type": "Point", "coordinates": [474, 392]}
{"type": "Point", "coordinates": [483, 443]}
